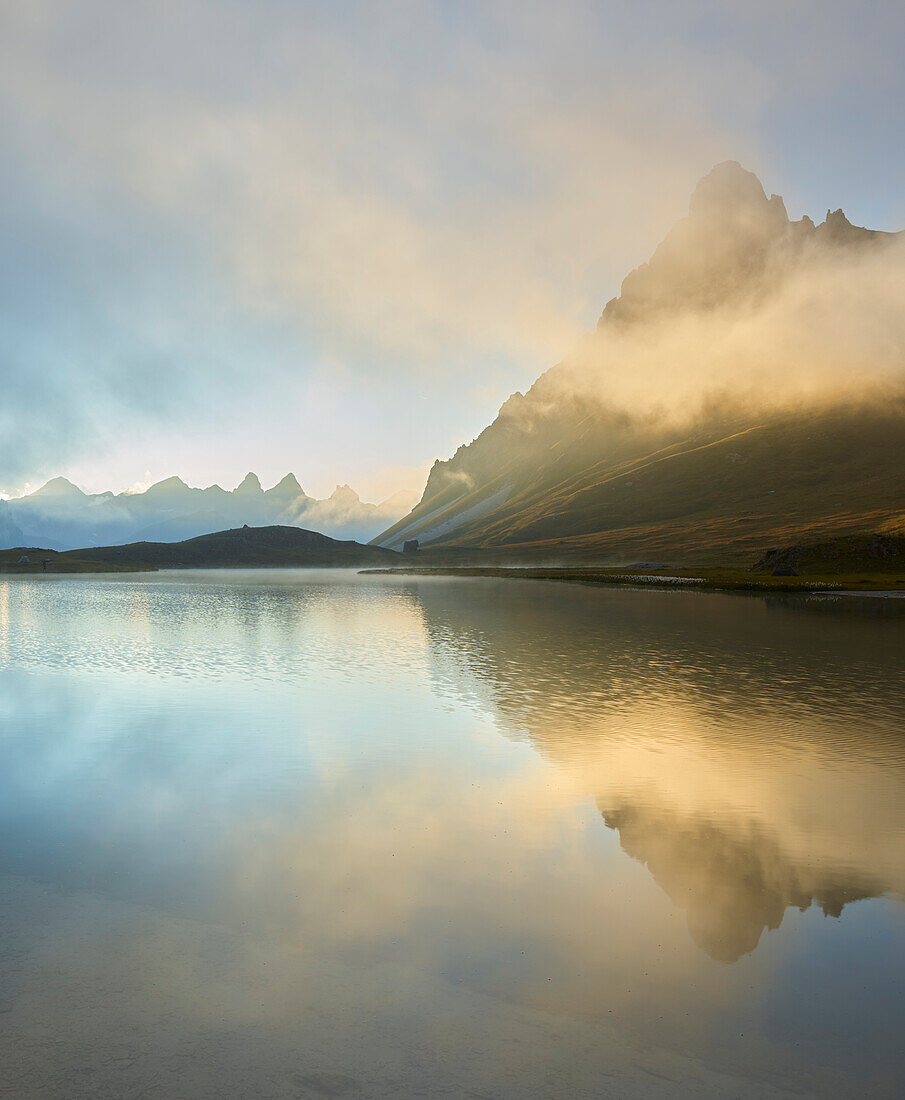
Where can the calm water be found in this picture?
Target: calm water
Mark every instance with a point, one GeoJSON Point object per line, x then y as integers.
{"type": "Point", "coordinates": [297, 834]}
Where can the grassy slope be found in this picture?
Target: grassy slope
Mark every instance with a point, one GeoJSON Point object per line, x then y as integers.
{"type": "Point", "coordinates": [56, 562]}
{"type": "Point", "coordinates": [717, 498]}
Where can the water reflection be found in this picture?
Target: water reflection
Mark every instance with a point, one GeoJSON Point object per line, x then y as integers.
{"type": "Point", "coordinates": [262, 834]}
{"type": "Point", "coordinates": [751, 762]}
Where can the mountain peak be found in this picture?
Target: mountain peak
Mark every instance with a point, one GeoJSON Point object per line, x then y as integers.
{"type": "Point", "coordinates": [288, 486]}
{"type": "Point", "coordinates": [726, 190]}
{"type": "Point", "coordinates": [345, 493]}
{"type": "Point", "coordinates": [249, 484]}
{"type": "Point", "coordinates": [168, 485]}
{"type": "Point", "coordinates": [58, 487]}
{"type": "Point", "coordinates": [719, 250]}
{"type": "Point", "coordinates": [838, 227]}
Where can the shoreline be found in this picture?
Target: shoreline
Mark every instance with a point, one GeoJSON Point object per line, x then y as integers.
{"type": "Point", "coordinates": [702, 580]}
{"type": "Point", "coordinates": [676, 580]}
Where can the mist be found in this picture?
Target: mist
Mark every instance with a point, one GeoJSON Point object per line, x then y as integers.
{"type": "Point", "coordinates": [363, 229]}
{"type": "Point", "coordinates": [819, 325]}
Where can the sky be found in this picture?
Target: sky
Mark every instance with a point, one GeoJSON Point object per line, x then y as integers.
{"type": "Point", "coordinates": [333, 238]}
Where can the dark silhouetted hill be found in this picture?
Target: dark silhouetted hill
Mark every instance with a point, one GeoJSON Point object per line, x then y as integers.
{"type": "Point", "coordinates": [248, 547]}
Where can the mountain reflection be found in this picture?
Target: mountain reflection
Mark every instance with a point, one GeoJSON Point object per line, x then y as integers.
{"type": "Point", "coordinates": [746, 753]}
{"type": "Point", "coordinates": [731, 887]}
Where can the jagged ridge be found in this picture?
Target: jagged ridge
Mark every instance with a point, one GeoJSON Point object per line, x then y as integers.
{"type": "Point", "coordinates": [60, 516]}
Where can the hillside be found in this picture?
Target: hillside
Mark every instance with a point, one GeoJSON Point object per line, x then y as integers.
{"type": "Point", "coordinates": [244, 547]}
{"type": "Point", "coordinates": [707, 497]}
{"type": "Point", "coordinates": [248, 547]}
{"type": "Point", "coordinates": [36, 559]}
{"type": "Point", "coordinates": [709, 415]}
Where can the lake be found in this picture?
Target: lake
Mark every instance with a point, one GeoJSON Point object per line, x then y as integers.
{"type": "Point", "coordinates": [292, 834]}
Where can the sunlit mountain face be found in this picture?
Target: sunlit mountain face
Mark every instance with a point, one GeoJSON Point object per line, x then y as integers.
{"type": "Point", "coordinates": [745, 388]}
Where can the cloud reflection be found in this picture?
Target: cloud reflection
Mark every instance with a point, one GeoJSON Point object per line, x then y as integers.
{"type": "Point", "coordinates": [748, 778]}
{"type": "Point", "coordinates": [299, 822]}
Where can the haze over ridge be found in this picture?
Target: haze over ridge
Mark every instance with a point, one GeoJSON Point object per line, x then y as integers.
{"type": "Point", "coordinates": [60, 516]}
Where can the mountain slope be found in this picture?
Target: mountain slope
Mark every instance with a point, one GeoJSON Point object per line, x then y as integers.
{"type": "Point", "coordinates": [709, 415]}
{"type": "Point", "coordinates": [10, 532]}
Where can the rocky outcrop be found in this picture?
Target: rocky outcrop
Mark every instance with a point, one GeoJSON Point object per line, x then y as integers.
{"type": "Point", "coordinates": [861, 553]}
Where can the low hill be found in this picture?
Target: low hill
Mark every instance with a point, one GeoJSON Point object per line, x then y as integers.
{"type": "Point", "coordinates": [243, 547]}
{"type": "Point", "coordinates": [248, 547]}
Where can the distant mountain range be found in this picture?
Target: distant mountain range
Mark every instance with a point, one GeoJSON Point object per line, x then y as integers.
{"type": "Point", "coordinates": [59, 516]}
{"type": "Point", "coordinates": [712, 413]}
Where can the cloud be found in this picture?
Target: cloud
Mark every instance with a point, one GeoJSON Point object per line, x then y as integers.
{"type": "Point", "coordinates": [394, 206]}
{"type": "Point", "coordinates": [832, 332]}
{"type": "Point", "coordinates": [204, 197]}
{"type": "Point", "coordinates": [200, 196]}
